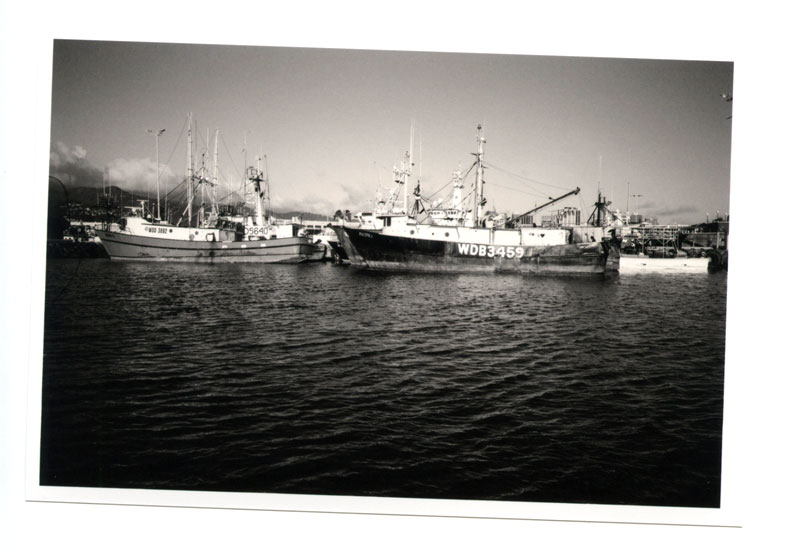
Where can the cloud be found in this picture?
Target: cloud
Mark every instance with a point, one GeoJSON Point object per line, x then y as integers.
{"type": "Point", "coordinates": [677, 210]}
{"type": "Point", "coordinates": [79, 152]}
{"type": "Point", "coordinates": [679, 214]}
{"type": "Point", "coordinates": [70, 165]}
{"type": "Point", "coordinates": [132, 174]}
{"type": "Point", "coordinates": [63, 155]}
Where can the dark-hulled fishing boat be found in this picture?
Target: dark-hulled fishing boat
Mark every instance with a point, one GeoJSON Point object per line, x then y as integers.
{"type": "Point", "coordinates": [463, 240]}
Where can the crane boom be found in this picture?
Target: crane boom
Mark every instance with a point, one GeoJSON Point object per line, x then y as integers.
{"type": "Point", "coordinates": [547, 204]}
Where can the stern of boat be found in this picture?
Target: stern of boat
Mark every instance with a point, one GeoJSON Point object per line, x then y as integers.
{"type": "Point", "coordinates": [611, 250]}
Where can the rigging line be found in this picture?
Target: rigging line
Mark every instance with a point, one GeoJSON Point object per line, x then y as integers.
{"type": "Point", "coordinates": [182, 185]}
{"type": "Point", "coordinates": [583, 204]}
{"type": "Point", "coordinates": [470, 168]}
{"type": "Point", "coordinates": [439, 205]}
{"type": "Point", "coordinates": [224, 197]}
{"type": "Point", "coordinates": [526, 179]}
{"type": "Point", "coordinates": [236, 172]}
{"type": "Point", "coordinates": [177, 140]}
{"type": "Point", "coordinates": [533, 192]}
{"type": "Point", "coordinates": [435, 193]}
{"type": "Point", "coordinates": [466, 174]}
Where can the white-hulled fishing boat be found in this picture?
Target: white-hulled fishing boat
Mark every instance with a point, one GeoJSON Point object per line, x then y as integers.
{"type": "Point", "coordinates": [213, 238]}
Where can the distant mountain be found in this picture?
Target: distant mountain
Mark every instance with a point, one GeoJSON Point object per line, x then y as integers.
{"type": "Point", "coordinates": [92, 197]}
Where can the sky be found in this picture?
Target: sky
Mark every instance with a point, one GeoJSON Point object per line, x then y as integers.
{"type": "Point", "coordinates": [653, 136]}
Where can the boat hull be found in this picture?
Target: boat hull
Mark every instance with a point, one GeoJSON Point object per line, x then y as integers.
{"type": "Point", "coordinates": [375, 250]}
{"type": "Point", "coordinates": [337, 252]}
{"type": "Point", "coordinates": [639, 263]}
{"type": "Point", "coordinates": [123, 246]}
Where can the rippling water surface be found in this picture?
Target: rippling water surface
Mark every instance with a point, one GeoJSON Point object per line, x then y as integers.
{"type": "Point", "coordinates": [318, 379]}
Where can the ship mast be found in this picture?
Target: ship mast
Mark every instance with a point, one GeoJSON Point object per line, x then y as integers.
{"type": "Point", "coordinates": [256, 177]}
{"type": "Point", "coordinates": [216, 169]}
{"type": "Point", "coordinates": [269, 198]}
{"type": "Point", "coordinates": [478, 200]}
{"type": "Point", "coordinates": [600, 213]}
{"type": "Point", "coordinates": [215, 206]}
{"type": "Point", "coordinates": [458, 185]}
{"type": "Point", "coordinates": [259, 196]}
{"type": "Point", "coordinates": [158, 174]}
{"type": "Point", "coordinates": [407, 173]}
{"type": "Point", "coordinates": [189, 175]}
{"type": "Point", "coordinates": [203, 180]}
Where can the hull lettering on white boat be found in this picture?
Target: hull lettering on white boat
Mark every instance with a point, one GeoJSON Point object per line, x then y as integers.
{"type": "Point", "coordinates": [154, 230]}
{"type": "Point", "coordinates": [257, 231]}
{"type": "Point", "coordinates": [490, 251]}
{"type": "Point", "coordinates": [281, 250]}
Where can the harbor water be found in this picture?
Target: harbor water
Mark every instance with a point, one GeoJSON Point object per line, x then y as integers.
{"type": "Point", "coordinates": [322, 379]}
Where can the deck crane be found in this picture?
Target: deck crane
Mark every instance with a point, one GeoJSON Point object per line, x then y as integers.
{"type": "Point", "coordinates": [511, 221]}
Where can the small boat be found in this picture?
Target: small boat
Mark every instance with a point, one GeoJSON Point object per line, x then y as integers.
{"type": "Point", "coordinates": [465, 239]}
{"type": "Point", "coordinates": [668, 249]}
{"type": "Point", "coordinates": [637, 263]}
{"type": "Point", "coordinates": [142, 235]}
{"type": "Point", "coordinates": [328, 241]}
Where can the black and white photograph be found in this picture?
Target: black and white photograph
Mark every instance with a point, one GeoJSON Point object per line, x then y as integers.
{"type": "Point", "coordinates": [331, 282]}
{"type": "Point", "coordinates": [404, 274]}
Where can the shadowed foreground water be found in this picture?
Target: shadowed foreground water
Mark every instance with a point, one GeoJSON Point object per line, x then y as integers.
{"type": "Point", "coordinates": [317, 379]}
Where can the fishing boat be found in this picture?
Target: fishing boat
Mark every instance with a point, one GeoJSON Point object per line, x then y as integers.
{"type": "Point", "coordinates": [663, 248]}
{"type": "Point", "coordinates": [212, 237]}
{"type": "Point", "coordinates": [678, 264]}
{"type": "Point", "coordinates": [466, 239]}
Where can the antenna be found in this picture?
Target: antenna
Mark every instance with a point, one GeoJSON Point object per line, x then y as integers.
{"type": "Point", "coordinates": [408, 171]}
{"type": "Point", "coordinates": [269, 200]}
{"type": "Point", "coordinates": [411, 145]}
{"type": "Point", "coordinates": [628, 199]}
{"type": "Point", "coordinates": [419, 173]}
{"type": "Point", "coordinates": [599, 172]}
